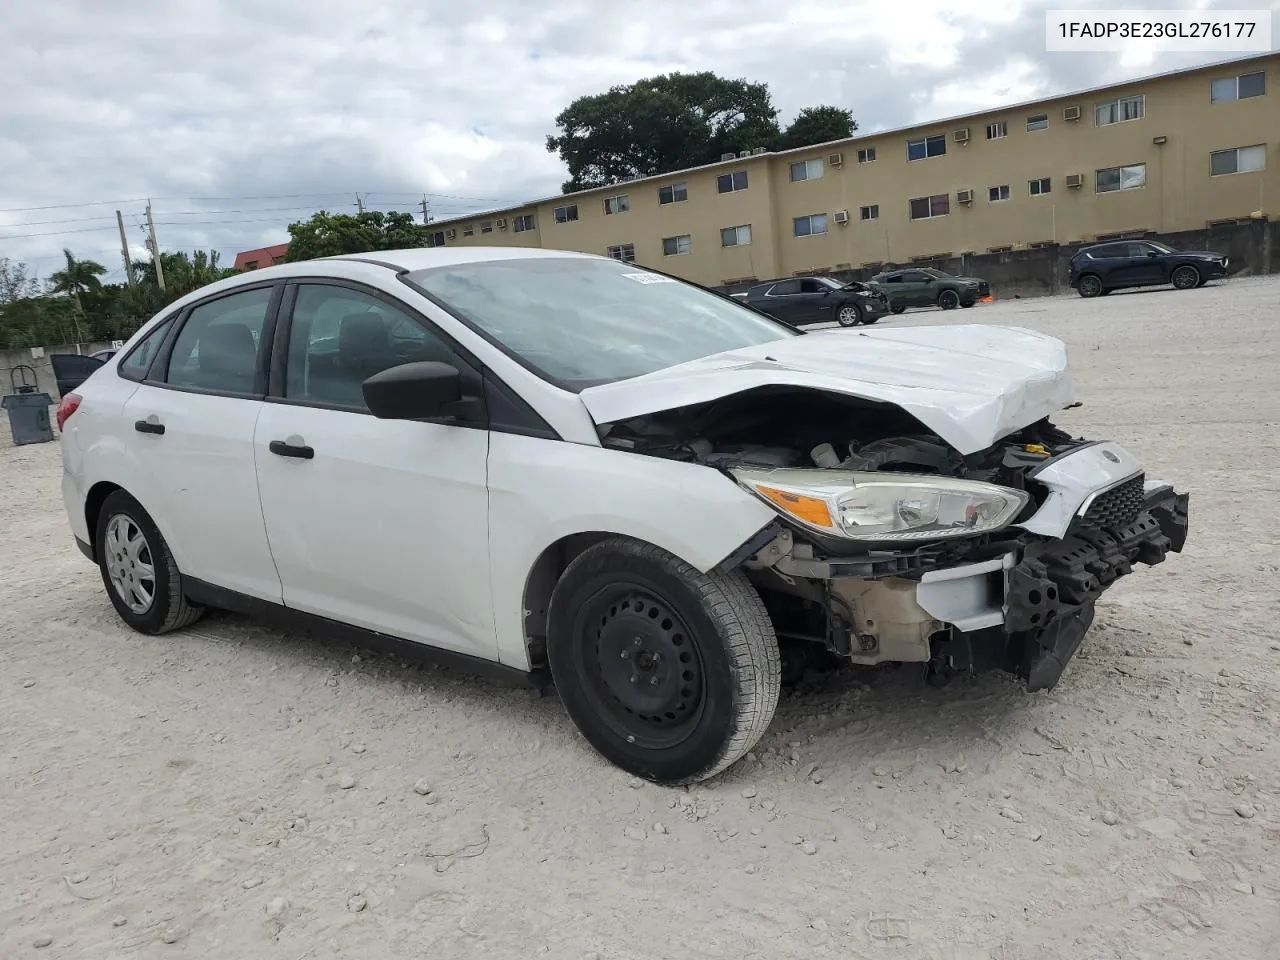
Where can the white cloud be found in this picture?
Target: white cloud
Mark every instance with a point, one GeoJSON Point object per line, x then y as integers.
{"type": "Point", "coordinates": [252, 115]}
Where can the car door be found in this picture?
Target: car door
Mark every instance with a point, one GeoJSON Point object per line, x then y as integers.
{"type": "Point", "coordinates": [813, 303]}
{"type": "Point", "coordinates": [1121, 264]}
{"type": "Point", "coordinates": [916, 289]}
{"type": "Point", "coordinates": [72, 369]}
{"type": "Point", "coordinates": [891, 284]}
{"type": "Point", "coordinates": [781, 300]}
{"type": "Point", "coordinates": [382, 524]}
{"type": "Point", "coordinates": [1150, 264]}
{"type": "Point", "coordinates": [193, 419]}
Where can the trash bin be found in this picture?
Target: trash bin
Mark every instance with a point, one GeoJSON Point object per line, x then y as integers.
{"type": "Point", "coordinates": [28, 408]}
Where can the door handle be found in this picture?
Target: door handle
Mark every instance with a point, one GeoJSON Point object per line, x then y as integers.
{"type": "Point", "coordinates": [298, 452]}
{"type": "Point", "coordinates": [148, 426]}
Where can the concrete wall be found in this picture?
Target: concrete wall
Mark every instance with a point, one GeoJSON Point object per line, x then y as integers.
{"type": "Point", "coordinates": [9, 359]}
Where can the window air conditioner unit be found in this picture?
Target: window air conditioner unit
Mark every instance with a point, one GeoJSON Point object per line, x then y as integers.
{"type": "Point", "coordinates": [835, 159]}
{"type": "Point", "coordinates": [759, 150]}
{"type": "Point", "coordinates": [728, 156]}
{"type": "Point", "coordinates": [502, 223]}
{"type": "Point", "coordinates": [962, 135]}
{"type": "Point", "coordinates": [451, 234]}
{"type": "Point", "coordinates": [1071, 113]}
{"type": "Point", "coordinates": [1075, 181]}
{"type": "Point", "coordinates": [744, 153]}
{"type": "Point", "coordinates": [964, 196]}
{"type": "Point", "coordinates": [842, 216]}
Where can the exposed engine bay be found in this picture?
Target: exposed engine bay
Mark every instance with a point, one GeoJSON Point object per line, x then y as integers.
{"type": "Point", "coordinates": [1010, 599]}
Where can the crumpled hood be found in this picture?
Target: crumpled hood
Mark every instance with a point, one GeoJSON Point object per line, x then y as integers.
{"type": "Point", "coordinates": [970, 384]}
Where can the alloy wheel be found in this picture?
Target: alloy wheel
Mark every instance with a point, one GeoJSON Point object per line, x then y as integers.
{"type": "Point", "coordinates": [130, 563]}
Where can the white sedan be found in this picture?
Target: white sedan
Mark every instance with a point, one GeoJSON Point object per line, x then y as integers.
{"type": "Point", "coordinates": [555, 464]}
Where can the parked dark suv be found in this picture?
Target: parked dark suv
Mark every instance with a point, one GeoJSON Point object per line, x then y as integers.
{"type": "Point", "coordinates": [1103, 267]}
{"type": "Point", "coordinates": [802, 300]}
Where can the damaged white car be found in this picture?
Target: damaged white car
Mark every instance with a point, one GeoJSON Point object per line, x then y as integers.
{"type": "Point", "coordinates": [559, 465]}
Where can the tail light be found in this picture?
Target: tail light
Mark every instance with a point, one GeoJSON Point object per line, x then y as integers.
{"type": "Point", "coordinates": [68, 405]}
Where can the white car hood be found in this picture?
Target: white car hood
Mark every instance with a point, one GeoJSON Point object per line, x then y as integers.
{"type": "Point", "coordinates": [970, 384]}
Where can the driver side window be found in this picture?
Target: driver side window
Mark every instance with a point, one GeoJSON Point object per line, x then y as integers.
{"type": "Point", "coordinates": [812, 286]}
{"type": "Point", "coordinates": [339, 337]}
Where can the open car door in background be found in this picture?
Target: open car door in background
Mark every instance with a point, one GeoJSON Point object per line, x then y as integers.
{"type": "Point", "coordinates": [71, 369]}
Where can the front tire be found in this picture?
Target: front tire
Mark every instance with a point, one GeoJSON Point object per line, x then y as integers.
{"type": "Point", "coordinates": [1185, 278]}
{"type": "Point", "coordinates": [139, 573]}
{"type": "Point", "coordinates": [948, 299]}
{"type": "Point", "coordinates": [897, 310]}
{"type": "Point", "coordinates": [849, 315]}
{"type": "Point", "coordinates": [670, 673]}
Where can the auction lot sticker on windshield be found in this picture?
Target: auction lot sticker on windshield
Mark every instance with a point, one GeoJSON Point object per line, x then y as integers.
{"type": "Point", "coordinates": [649, 278]}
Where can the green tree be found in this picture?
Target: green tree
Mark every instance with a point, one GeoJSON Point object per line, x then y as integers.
{"type": "Point", "coordinates": [15, 284]}
{"type": "Point", "coordinates": [660, 124]}
{"type": "Point", "coordinates": [332, 234]}
{"type": "Point", "coordinates": [817, 125]}
{"type": "Point", "coordinates": [77, 278]}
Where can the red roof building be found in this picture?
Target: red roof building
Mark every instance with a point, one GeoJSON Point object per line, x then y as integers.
{"type": "Point", "coordinates": [262, 257]}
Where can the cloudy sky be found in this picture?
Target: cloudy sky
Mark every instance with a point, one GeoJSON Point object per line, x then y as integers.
{"type": "Point", "coordinates": [239, 117]}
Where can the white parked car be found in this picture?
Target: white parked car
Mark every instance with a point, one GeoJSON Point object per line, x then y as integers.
{"type": "Point", "coordinates": [558, 464]}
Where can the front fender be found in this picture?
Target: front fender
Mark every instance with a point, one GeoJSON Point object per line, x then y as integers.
{"type": "Point", "coordinates": [541, 491]}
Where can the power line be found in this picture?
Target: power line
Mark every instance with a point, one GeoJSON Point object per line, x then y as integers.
{"type": "Point", "coordinates": [276, 196]}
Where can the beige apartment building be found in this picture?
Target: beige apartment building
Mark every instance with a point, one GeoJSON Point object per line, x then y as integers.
{"type": "Point", "coordinates": [1164, 153]}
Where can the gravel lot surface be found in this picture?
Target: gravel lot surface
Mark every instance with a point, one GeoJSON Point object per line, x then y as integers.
{"type": "Point", "coordinates": [233, 791]}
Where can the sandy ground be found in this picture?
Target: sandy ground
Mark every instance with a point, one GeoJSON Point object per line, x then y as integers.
{"type": "Point", "coordinates": [237, 792]}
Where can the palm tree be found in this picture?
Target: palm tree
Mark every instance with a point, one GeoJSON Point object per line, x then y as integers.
{"type": "Point", "coordinates": [79, 276]}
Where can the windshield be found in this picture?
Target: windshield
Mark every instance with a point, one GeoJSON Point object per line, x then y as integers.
{"type": "Point", "coordinates": [833, 284]}
{"type": "Point", "coordinates": [583, 321]}
{"type": "Point", "coordinates": [935, 273]}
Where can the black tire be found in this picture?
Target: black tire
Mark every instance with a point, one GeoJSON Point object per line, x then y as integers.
{"type": "Point", "coordinates": [1185, 277]}
{"type": "Point", "coordinates": [897, 310]}
{"type": "Point", "coordinates": [169, 609]}
{"type": "Point", "coordinates": [948, 299]}
{"type": "Point", "coordinates": [849, 315]}
{"type": "Point", "coordinates": [622, 616]}
{"type": "Point", "coordinates": [969, 303]}
{"type": "Point", "coordinates": [1089, 285]}
{"type": "Point", "coordinates": [869, 320]}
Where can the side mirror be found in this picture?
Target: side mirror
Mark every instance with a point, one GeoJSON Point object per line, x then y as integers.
{"type": "Point", "coordinates": [414, 391]}
{"type": "Point", "coordinates": [1153, 253]}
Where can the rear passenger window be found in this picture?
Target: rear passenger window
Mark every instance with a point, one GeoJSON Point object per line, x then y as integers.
{"type": "Point", "coordinates": [135, 364]}
{"type": "Point", "coordinates": [340, 337]}
{"type": "Point", "coordinates": [217, 348]}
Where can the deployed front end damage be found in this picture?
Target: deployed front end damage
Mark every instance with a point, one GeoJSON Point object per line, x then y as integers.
{"type": "Point", "coordinates": [892, 546]}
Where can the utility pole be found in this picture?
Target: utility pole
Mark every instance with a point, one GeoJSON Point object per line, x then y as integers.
{"type": "Point", "coordinates": [155, 248]}
{"type": "Point", "coordinates": [359, 203]}
{"type": "Point", "coordinates": [426, 211]}
{"type": "Point", "coordinates": [124, 250]}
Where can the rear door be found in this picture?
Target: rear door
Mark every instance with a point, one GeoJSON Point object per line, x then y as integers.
{"type": "Point", "coordinates": [71, 369]}
{"type": "Point", "coordinates": [917, 290]}
{"type": "Point", "coordinates": [192, 420]}
{"type": "Point", "coordinates": [782, 300]}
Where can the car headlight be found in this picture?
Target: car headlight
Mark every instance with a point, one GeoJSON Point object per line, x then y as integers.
{"type": "Point", "coordinates": [884, 506]}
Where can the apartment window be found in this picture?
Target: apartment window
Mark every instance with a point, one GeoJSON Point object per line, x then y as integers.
{"type": "Point", "coordinates": [618, 204]}
{"type": "Point", "coordinates": [486, 227]}
{"type": "Point", "coordinates": [731, 182]}
{"type": "Point", "coordinates": [806, 170]}
{"type": "Point", "coordinates": [1238, 88]}
{"type": "Point", "coordinates": [676, 246]}
{"type": "Point", "coordinates": [1038, 188]}
{"type": "Point", "coordinates": [1120, 111]}
{"type": "Point", "coordinates": [673, 193]}
{"type": "Point", "coordinates": [1238, 160]}
{"type": "Point", "coordinates": [928, 147]}
{"type": "Point", "coordinates": [565, 214]}
{"type": "Point", "coordinates": [870, 212]}
{"type": "Point", "coordinates": [1037, 121]}
{"type": "Point", "coordinates": [924, 208]}
{"type": "Point", "coordinates": [626, 252]}
{"type": "Point", "coordinates": [469, 230]}
{"type": "Point", "coordinates": [811, 226]}
{"type": "Point", "coordinates": [867, 155]}
{"type": "Point", "coordinates": [997, 130]}
{"type": "Point", "coordinates": [996, 194]}
{"type": "Point", "coordinates": [736, 236]}
{"type": "Point", "coordinates": [435, 239]}
{"type": "Point", "coordinates": [522, 223]}
{"type": "Point", "coordinates": [1110, 179]}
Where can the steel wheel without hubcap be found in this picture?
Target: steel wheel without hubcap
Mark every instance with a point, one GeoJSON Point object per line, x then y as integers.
{"type": "Point", "coordinates": [1186, 278]}
{"type": "Point", "coordinates": [130, 564]}
{"type": "Point", "coordinates": [849, 316]}
{"type": "Point", "coordinates": [1089, 286]}
{"type": "Point", "coordinates": [645, 673]}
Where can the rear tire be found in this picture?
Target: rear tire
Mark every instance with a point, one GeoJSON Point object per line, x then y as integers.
{"type": "Point", "coordinates": [139, 573]}
{"type": "Point", "coordinates": [1185, 278]}
{"type": "Point", "coordinates": [670, 673]}
{"type": "Point", "coordinates": [1089, 285]}
{"type": "Point", "coordinates": [948, 299]}
{"type": "Point", "coordinates": [897, 310]}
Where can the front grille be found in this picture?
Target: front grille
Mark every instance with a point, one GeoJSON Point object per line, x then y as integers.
{"type": "Point", "coordinates": [1119, 506]}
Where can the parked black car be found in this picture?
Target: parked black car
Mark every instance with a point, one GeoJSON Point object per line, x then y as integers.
{"type": "Point", "coordinates": [926, 287]}
{"type": "Point", "coordinates": [1103, 267]}
{"type": "Point", "coordinates": [803, 300]}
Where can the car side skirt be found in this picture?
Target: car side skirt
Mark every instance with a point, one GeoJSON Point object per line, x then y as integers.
{"type": "Point", "coordinates": [210, 595]}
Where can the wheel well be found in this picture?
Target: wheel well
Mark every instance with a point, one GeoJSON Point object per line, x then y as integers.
{"type": "Point", "coordinates": [541, 583]}
{"type": "Point", "coordinates": [93, 502]}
